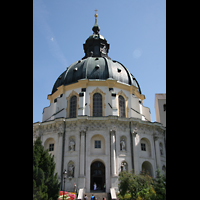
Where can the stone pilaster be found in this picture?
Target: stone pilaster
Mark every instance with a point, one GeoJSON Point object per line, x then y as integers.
{"type": "Point", "coordinates": [82, 153]}
{"type": "Point", "coordinates": [135, 152]}
{"type": "Point", "coordinates": [157, 150]}
{"type": "Point", "coordinates": [113, 152]}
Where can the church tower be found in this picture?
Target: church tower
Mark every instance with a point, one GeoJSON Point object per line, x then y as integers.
{"type": "Point", "coordinates": [96, 125]}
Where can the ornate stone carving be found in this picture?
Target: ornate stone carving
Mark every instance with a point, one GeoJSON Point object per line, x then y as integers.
{"type": "Point", "coordinates": [83, 130]}
{"type": "Point", "coordinates": [60, 129]}
{"type": "Point", "coordinates": [135, 132]}
{"type": "Point", "coordinates": [155, 136]}
{"type": "Point", "coordinates": [60, 134]}
{"type": "Point", "coordinates": [112, 131]}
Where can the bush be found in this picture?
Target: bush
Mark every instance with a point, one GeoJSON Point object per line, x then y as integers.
{"type": "Point", "coordinates": [141, 186]}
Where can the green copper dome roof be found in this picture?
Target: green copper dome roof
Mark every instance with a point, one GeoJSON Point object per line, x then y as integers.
{"type": "Point", "coordinates": [96, 64]}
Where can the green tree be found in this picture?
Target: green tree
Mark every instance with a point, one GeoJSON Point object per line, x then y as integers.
{"type": "Point", "coordinates": [45, 182]}
{"type": "Point", "coordinates": [160, 185]}
{"type": "Point", "coordinates": [138, 187]}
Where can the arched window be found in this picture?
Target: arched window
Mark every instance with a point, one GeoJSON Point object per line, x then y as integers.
{"type": "Point", "coordinates": [50, 145]}
{"type": "Point", "coordinates": [73, 106]}
{"type": "Point", "coordinates": [97, 105]}
{"type": "Point", "coordinates": [145, 147]}
{"type": "Point", "coordinates": [121, 106]}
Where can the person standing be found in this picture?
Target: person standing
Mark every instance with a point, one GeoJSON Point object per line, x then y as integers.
{"type": "Point", "coordinates": [85, 197]}
{"type": "Point", "coordinates": [92, 197]}
{"type": "Point", "coordinates": [74, 187]}
{"type": "Point", "coordinates": [104, 187]}
{"type": "Point", "coordinates": [95, 186]}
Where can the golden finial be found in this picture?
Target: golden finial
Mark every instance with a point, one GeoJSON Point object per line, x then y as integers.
{"type": "Point", "coordinates": [96, 15]}
{"type": "Point", "coordinates": [96, 28]}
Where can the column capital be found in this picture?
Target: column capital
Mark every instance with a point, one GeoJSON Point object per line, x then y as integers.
{"type": "Point", "coordinates": [60, 134]}
{"type": "Point", "coordinates": [83, 131]}
{"type": "Point", "coordinates": [155, 136]}
{"type": "Point", "coordinates": [112, 131]}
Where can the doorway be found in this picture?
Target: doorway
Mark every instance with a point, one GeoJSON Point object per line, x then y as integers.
{"type": "Point", "coordinates": [97, 175]}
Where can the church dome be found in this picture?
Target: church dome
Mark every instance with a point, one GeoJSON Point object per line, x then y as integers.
{"type": "Point", "coordinates": [96, 64]}
{"type": "Point", "coordinates": [96, 68]}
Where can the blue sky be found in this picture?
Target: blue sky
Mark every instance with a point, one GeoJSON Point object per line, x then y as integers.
{"type": "Point", "coordinates": [135, 30]}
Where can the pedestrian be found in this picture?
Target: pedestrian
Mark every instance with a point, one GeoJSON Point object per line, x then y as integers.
{"type": "Point", "coordinates": [85, 198]}
{"type": "Point", "coordinates": [74, 187]}
{"type": "Point", "coordinates": [104, 187]}
{"type": "Point", "coordinates": [92, 197]}
{"type": "Point", "coordinates": [95, 186]}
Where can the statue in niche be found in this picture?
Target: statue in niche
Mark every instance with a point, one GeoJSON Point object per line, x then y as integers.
{"type": "Point", "coordinates": [123, 145]}
{"type": "Point", "coordinates": [161, 150]}
{"type": "Point", "coordinates": [71, 170]}
{"type": "Point", "coordinates": [123, 167]}
{"type": "Point", "coordinates": [72, 145]}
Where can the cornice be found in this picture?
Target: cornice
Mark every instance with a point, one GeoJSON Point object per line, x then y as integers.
{"type": "Point", "coordinates": [88, 123]}
{"type": "Point", "coordinates": [84, 83]}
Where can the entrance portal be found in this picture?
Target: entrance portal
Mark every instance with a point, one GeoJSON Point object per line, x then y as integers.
{"type": "Point", "coordinates": [97, 175]}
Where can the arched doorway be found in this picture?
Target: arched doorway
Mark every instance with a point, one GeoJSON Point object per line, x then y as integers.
{"type": "Point", "coordinates": [97, 175]}
{"type": "Point", "coordinates": [147, 168]}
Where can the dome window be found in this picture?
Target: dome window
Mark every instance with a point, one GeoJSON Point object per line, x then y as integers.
{"type": "Point", "coordinates": [119, 70]}
{"type": "Point", "coordinates": [73, 105]}
{"type": "Point", "coordinates": [97, 105]}
{"type": "Point", "coordinates": [121, 106]}
{"type": "Point", "coordinates": [97, 66]}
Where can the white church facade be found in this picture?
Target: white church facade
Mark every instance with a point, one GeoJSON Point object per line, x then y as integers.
{"type": "Point", "coordinates": [96, 124]}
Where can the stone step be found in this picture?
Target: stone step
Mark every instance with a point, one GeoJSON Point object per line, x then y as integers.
{"type": "Point", "coordinates": [98, 195]}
